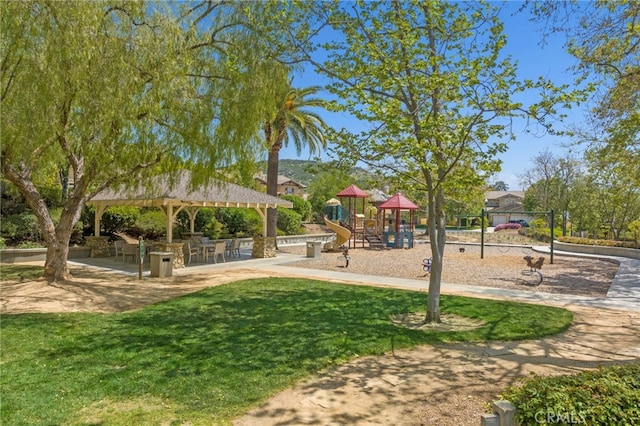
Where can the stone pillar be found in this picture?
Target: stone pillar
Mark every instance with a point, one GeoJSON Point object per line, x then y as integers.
{"type": "Point", "coordinates": [489, 420]}
{"type": "Point", "coordinates": [176, 248]}
{"type": "Point", "coordinates": [506, 411]}
{"type": "Point", "coordinates": [195, 237]}
{"type": "Point", "coordinates": [263, 247]}
{"type": "Point", "coordinates": [99, 246]}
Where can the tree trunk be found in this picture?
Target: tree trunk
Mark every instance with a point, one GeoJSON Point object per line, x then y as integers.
{"type": "Point", "coordinates": [56, 237]}
{"type": "Point", "coordinates": [437, 238]}
{"type": "Point", "coordinates": [436, 234]}
{"type": "Point", "coordinates": [272, 189]}
{"type": "Point", "coordinates": [55, 266]}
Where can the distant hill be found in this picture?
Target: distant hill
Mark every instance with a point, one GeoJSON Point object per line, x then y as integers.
{"type": "Point", "coordinates": [296, 170]}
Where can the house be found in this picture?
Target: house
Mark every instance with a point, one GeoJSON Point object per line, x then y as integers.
{"type": "Point", "coordinates": [286, 185]}
{"type": "Point", "coordinates": [505, 206]}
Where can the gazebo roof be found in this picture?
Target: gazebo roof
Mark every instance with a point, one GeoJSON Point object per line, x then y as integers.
{"type": "Point", "coordinates": [163, 193]}
{"type": "Point", "coordinates": [398, 202]}
{"type": "Point", "coordinates": [353, 191]}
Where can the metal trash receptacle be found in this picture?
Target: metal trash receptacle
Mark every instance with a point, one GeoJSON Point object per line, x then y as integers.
{"type": "Point", "coordinates": [161, 263]}
{"type": "Point", "coordinates": [314, 248]}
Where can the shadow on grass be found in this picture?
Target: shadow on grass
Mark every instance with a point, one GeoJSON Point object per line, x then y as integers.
{"type": "Point", "coordinates": [217, 352]}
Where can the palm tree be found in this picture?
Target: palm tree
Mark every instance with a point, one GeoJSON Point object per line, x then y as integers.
{"type": "Point", "coordinates": [291, 121]}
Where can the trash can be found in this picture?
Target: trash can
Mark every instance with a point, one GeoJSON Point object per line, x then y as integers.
{"type": "Point", "coordinates": [314, 248]}
{"type": "Point", "coordinates": [161, 263]}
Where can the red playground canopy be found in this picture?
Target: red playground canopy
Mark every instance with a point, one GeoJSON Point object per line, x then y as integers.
{"type": "Point", "coordinates": [398, 202]}
{"type": "Point", "coordinates": [352, 191]}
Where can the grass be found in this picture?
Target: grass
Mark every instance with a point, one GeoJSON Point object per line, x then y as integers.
{"type": "Point", "coordinates": [9, 272]}
{"type": "Point", "coordinates": [208, 357]}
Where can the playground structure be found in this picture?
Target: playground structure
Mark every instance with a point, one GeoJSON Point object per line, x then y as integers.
{"type": "Point", "coordinates": [398, 229]}
{"type": "Point", "coordinates": [343, 235]}
{"type": "Point", "coordinates": [390, 228]}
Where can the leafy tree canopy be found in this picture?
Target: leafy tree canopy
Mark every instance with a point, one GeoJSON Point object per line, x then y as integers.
{"type": "Point", "coordinates": [114, 92]}
{"type": "Point", "coordinates": [432, 81]}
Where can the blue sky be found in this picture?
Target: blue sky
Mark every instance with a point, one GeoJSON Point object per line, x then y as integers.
{"type": "Point", "coordinates": [523, 44]}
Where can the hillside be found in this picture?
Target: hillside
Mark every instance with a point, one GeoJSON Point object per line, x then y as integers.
{"type": "Point", "coordinates": [297, 170]}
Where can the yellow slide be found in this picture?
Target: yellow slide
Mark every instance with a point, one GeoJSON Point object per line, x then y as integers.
{"type": "Point", "coordinates": [342, 234]}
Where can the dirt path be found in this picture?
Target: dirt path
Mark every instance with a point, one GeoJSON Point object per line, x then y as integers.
{"type": "Point", "coordinates": [448, 384]}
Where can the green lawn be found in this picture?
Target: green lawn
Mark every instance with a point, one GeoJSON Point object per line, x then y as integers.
{"type": "Point", "coordinates": [10, 272]}
{"type": "Point", "coordinates": [208, 357]}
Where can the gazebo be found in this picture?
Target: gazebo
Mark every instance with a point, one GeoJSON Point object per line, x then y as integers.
{"type": "Point", "coordinates": [398, 229]}
{"type": "Point", "coordinates": [175, 195]}
{"type": "Point", "coordinates": [355, 220]}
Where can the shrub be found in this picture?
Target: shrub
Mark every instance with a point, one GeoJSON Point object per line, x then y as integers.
{"type": "Point", "coordinates": [3, 245]}
{"type": "Point", "coordinates": [289, 222]}
{"type": "Point", "coordinates": [19, 228]}
{"type": "Point", "coordinates": [119, 218]}
{"type": "Point", "coordinates": [593, 242]}
{"type": "Point", "coordinates": [240, 222]}
{"type": "Point", "coordinates": [212, 229]}
{"type": "Point", "coordinates": [29, 244]}
{"type": "Point", "coordinates": [605, 396]}
{"type": "Point", "coordinates": [503, 226]}
{"type": "Point", "coordinates": [77, 235]}
{"type": "Point", "coordinates": [538, 223]}
{"type": "Point", "coordinates": [151, 225]}
{"type": "Point", "coordinates": [300, 206]}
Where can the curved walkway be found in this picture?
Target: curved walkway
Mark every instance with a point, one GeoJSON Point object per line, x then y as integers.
{"type": "Point", "coordinates": [624, 293]}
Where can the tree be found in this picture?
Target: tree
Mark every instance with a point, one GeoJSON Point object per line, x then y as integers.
{"type": "Point", "coordinates": [328, 181]}
{"type": "Point", "coordinates": [291, 120]}
{"type": "Point", "coordinates": [634, 228]}
{"type": "Point", "coordinates": [583, 208]}
{"type": "Point", "coordinates": [498, 186]}
{"type": "Point", "coordinates": [431, 80]}
{"type": "Point", "coordinates": [550, 183]}
{"type": "Point", "coordinates": [605, 39]}
{"type": "Point", "coordinates": [117, 92]}
{"type": "Point", "coordinates": [618, 202]}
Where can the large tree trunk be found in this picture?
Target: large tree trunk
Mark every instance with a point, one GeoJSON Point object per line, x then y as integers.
{"type": "Point", "coordinates": [56, 237]}
{"type": "Point", "coordinates": [272, 189]}
{"type": "Point", "coordinates": [55, 266]}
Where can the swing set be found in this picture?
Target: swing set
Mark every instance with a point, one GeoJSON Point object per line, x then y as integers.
{"type": "Point", "coordinates": [485, 213]}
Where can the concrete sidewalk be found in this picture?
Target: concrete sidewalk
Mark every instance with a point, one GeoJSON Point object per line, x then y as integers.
{"type": "Point", "coordinates": [624, 293]}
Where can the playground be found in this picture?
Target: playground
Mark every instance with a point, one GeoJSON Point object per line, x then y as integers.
{"type": "Point", "coordinates": [360, 222]}
{"type": "Point", "coordinates": [501, 268]}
